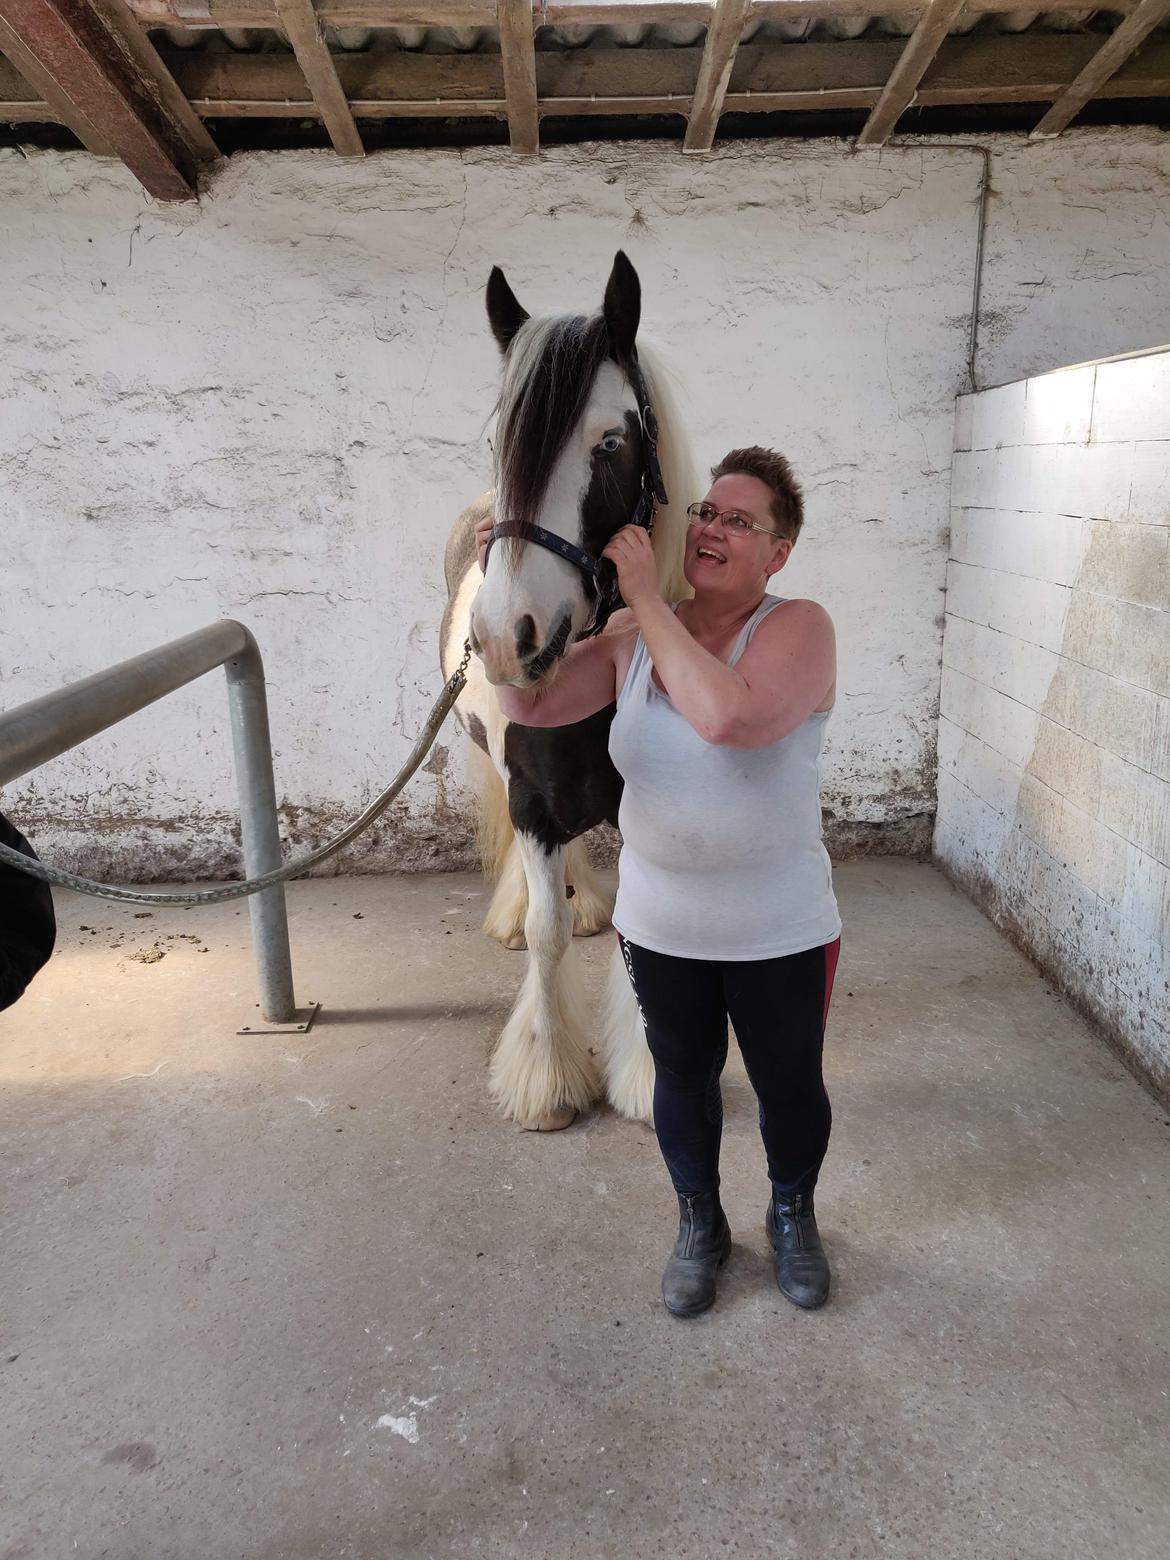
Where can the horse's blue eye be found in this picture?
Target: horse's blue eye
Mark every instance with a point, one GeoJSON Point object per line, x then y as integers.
{"type": "Point", "coordinates": [610, 444]}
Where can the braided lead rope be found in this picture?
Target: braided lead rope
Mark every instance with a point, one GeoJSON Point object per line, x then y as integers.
{"type": "Point", "coordinates": [296, 868]}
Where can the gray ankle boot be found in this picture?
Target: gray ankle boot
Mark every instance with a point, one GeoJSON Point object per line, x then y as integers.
{"type": "Point", "coordinates": [702, 1247]}
{"type": "Point", "coordinates": [802, 1268]}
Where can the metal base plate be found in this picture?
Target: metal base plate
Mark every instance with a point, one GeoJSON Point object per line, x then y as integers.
{"type": "Point", "coordinates": [300, 1024]}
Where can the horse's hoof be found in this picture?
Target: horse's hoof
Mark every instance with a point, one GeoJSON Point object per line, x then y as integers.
{"type": "Point", "coordinates": [555, 1121]}
{"type": "Point", "coordinates": [592, 931]}
{"type": "Point", "coordinates": [517, 943]}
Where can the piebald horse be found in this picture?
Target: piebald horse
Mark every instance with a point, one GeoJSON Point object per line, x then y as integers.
{"type": "Point", "coordinates": [586, 442]}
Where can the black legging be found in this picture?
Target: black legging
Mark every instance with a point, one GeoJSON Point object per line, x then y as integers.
{"type": "Point", "coordinates": [778, 1009]}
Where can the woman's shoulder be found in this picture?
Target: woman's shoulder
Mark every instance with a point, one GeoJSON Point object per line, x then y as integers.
{"type": "Point", "coordinates": [621, 622]}
{"type": "Point", "coordinates": [797, 612]}
{"type": "Point", "coordinates": [621, 632]}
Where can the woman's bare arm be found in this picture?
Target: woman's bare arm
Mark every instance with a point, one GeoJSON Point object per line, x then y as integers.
{"type": "Point", "coordinates": [585, 683]}
{"type": "Point", "coordinates": [787, 671]}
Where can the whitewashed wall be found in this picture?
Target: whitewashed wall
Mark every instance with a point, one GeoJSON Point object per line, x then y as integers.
{"type": "Point", "coordinates": [1054, 737]}
{"type": "Point", "coordinates": [271, 405]}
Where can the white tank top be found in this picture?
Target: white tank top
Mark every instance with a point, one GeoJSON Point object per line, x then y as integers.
{"type": "Point", "coordinates": [722, 854]}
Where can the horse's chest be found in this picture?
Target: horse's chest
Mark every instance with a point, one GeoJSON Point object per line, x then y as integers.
{"type": "Point", "coordinates": [561, 780]}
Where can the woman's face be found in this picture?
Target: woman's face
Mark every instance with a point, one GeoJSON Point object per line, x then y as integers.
{"type": "Point", "coordinates": [729, 564]}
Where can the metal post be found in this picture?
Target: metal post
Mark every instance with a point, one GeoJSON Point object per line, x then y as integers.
{"type": "Point", "coordinates": [260, 831]}
{"type": "Point", "coordinates": [38, 731]}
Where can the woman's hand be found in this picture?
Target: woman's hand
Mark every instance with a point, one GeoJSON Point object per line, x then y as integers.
{"type": "Point", "coordinates": [632, 556]}
{"type": "Point", "coordinates": [483, 535]}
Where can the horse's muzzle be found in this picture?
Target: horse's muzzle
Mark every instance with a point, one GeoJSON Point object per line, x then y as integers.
{"type": "Point", "coordinates": [539, 665]}
{"type": "Point", "coordinates": [517, 658]}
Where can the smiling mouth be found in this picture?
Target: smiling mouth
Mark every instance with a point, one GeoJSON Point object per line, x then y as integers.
{"type": "Point", "coordinates": [707, 552]}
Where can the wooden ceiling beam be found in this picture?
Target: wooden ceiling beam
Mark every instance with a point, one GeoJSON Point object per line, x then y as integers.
{"type": "Point", "coordinates": [42, 81]}
{"type": "Point", "coordinates": [916, 59]}
{"type": "Point", "coordinates": [518, 56]}
{"type": "Point", "coordinates": [302, 28]}
{"type": "Point", "coordinates": [27, 113]}
{"type": "Point", "coordinates": [1120, 46]}
{"type": "Point", "coordinates": [367, 108]}
{"type": "Point", "coordinates": [386, 83]}
{"type": "Point", "coordinates": [719, 50]}
{"type": "Point", "coordinates": [99, 85]}
{"type": "Point", "coordinates": [132, 38]}
{"type": "Point", "coordinates": [175, 106]}
{"type": "Point", "coordinates": [991, 69]}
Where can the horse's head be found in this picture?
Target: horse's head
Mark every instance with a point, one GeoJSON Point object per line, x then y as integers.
{"type": "Point", "coordinates": [573, 458]}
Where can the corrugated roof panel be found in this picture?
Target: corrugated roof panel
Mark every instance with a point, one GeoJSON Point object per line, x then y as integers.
{"type": "Point", "coordinates": [646, 35]}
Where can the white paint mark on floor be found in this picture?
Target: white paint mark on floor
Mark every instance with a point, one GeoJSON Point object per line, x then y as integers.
{"type": "Point", "coordinates": [315, 1106]}
{"type": "Point", "coordinates": [152, 1074]}
{"type": "Point", "coordinates": [405, 1425]}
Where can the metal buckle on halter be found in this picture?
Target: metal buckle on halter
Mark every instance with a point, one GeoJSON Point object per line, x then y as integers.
{"type": "Point", "coordinates": [652, 479]}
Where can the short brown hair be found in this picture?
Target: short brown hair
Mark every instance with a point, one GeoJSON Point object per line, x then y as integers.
{"type": "Point", "coordinates": [787, 506]}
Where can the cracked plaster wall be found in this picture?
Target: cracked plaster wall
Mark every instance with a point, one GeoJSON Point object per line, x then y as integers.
{"type": "Point", "coordinates": [271, 405]}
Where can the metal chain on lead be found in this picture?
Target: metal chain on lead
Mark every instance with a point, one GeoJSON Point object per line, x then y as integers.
{"type": "Point", "coordinates": [302, 864]}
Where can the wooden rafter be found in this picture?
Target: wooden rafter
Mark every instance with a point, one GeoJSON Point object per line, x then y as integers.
{"type": "Point", "coordinates": [899, 92]}
{"type": "Point", "coordinates": [303, 30]}
{"type": "Point", "coordinates": [1121, 45]}
{"type": "Point", "coordinates": [518, 56]}
{"type": "Point", "coordinates": [382, 83]}
{"type": "Point", "coordinates": [719, 52]}
{"type": "Point", "coordinates": [387, 83]}
{"type": "Point", "coordinates": [100, 85]}
{"type": "Point", "coordinates": [174, 104]}
{"type": "Point", "coordinates": [41, 79]}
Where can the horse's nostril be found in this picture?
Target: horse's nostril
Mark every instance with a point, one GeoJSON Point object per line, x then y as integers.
{"type": "Point", "coordinates": [526, 645]}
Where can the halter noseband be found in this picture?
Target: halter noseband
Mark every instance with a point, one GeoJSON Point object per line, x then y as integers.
{"type": "Point", "coordinates": [653, 493]}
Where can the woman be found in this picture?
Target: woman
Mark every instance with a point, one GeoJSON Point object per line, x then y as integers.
{"type": "Point", "coordinates": [725, 905]}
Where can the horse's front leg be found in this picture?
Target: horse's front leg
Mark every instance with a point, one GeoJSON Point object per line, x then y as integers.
{"type": "Point", "coordinates": [629, 1067]}
{"type": "Point", "coordinates": [542, 1073]}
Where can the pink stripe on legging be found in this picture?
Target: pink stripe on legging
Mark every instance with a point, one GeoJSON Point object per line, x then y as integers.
{"type": "Point", "coordinates": [832, 954]}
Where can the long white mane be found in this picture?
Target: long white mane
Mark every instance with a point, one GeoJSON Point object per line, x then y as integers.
{"type": "Point", "coordinates": [679, 473]}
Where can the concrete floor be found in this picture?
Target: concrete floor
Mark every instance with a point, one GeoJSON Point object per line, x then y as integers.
{"type": "Point", "coordinates": [283, 1297]}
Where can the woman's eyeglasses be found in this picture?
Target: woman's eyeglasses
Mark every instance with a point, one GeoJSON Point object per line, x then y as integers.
{"type": "Point", "coordinates": [733, 522]}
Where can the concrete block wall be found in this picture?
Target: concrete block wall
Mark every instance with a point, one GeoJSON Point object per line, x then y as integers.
{"type": "Point", "coordinates": [1054, 731]}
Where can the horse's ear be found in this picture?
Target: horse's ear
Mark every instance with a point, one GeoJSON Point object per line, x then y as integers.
{"type": "Point", "coordinates": [504, 309]}
{"type": "Point", "coordinates": [623, 307]}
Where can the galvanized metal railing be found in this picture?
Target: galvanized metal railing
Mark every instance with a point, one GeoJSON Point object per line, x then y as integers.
{"type": "Point", "coordinates": [40, 730]}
